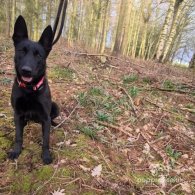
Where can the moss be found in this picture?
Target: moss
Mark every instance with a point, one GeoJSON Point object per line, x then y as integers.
{"type": "Point", "coordinates": [73, 153]}
{"type": "Point", "coordinates": [81, 140]}
{"type": "Point", "coordinates": [4, 143]}
{"type": "Point", "coordinates": [45, 172]}
{"type": "Point", "coordinates": [3, 155]}
{"type": "Point", "coordinates": [66, 172]}
{"type": "Point", "coordinates": [22, 184]}
{"type": "Point", "coordinates": [59, 135]}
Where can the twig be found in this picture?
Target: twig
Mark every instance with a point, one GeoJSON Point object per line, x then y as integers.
{"type": "Point", "coordinates": [73, 181]}
{"type": "Point", "coordinates": [189, 110]}
{"type": "Point", "coordinates": [104, 158]}
{"type": "Point", "coordinates": [160, 138]}
{"type": "Point", "coordinates": [131, 101]}
{"type": "Point", "coordinates": [92, 188]}
{"type": "Point", "coordinates": [171, 90]}
{"type": "Point", "coordinates": [65, 119]}
{"type": "Point", "coordinates": [113, 127]}
{"type": "Point", "coordinates": [159, 123]}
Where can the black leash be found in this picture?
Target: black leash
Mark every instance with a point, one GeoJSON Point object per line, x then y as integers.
{"type": "Point", "coordinates": [62, 5]}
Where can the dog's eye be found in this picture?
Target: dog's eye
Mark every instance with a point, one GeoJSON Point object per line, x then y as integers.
{"type": "Point", "coordinates": [37, 54]}
{"type": "Point", "coordinates": [23, 51]}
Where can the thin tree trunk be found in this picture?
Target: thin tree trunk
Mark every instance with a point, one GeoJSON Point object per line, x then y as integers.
{"type": "Point", "coordinates": [105, 26]}
{"type": "Point", "coordinates": [8, 17]}
{"type": "Point", "coordinates": [165, 30]}
{"type": "Point", "coordinates": [173, 31]}
{"type": "Point", "coordinates": [13, 13]}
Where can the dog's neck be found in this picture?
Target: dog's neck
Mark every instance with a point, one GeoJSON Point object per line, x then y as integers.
{"type": "Point", "coordinates": [35, 87]}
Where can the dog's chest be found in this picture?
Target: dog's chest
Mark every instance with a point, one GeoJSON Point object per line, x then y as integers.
{"type": "Point", "coordinates": [30, 107]}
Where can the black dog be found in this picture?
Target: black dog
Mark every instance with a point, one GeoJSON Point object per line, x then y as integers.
{"type": "Point", "coordinates": [31, 98]}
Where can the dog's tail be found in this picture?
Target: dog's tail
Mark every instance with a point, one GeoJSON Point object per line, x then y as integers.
{"type": "Point", "coordinates": [54, 112]}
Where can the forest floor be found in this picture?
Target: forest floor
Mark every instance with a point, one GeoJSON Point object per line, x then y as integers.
{"type": "Point", "coordinates": [126, 127]}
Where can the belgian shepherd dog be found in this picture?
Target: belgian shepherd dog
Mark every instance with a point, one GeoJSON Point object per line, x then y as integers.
{"type": "Point", "coordinates": [31, 98]}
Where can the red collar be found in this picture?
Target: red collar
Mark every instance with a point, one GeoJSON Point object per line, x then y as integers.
{"type": "Point", "coordinates": [34, 87]}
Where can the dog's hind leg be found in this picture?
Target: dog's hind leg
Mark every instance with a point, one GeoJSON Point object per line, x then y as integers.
{"type": "Point", "coordinates": [54, 113]}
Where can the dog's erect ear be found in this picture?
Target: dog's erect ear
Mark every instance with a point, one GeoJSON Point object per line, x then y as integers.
{"type": "Point", "coordinates": [20, 30]}
{"type": "Point", "coordinates": [46, 39]}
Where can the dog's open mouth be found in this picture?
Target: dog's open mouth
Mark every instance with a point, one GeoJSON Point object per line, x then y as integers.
{"type": "Point", "coordinates": [27, 79]}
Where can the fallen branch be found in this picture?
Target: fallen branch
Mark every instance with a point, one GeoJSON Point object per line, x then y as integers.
{"type": "Point", "coordinates": [171, 90]}
{"type": "Point", "coordinates": [92, 188]}
{"type": "Point", "coordinates": [113, 127]}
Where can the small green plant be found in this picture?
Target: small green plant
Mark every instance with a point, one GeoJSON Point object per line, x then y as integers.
{"type": "Point", "coordinates": [159, 134]}
{"type": "Point", "coordinates": [102, 116]}
{"type": "Point", "coordinates": [130, 78]}
{"type": "Point", "coordinates": [133, 91]}
{"type": "Point", "coordinates": [95, 91]}
{"type": "Point", "coordinates": [147, 80]}
{"type": "Point", "coordinates": [82, 98]}
{"type": "Point", "coordinates": [168, 84]}
{"type": "Point", "coordinates": [89, 131]}
{"type": "Point", "coordinates": [173, 154]}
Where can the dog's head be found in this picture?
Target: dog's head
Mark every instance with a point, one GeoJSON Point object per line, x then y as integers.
{"type": "Point", "coordinates": [30, 57]}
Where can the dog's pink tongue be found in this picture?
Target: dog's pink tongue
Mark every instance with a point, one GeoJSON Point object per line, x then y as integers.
{"type": "Point", "coordinates": [27, 79]}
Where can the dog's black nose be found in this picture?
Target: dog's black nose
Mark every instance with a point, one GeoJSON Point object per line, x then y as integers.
{"type": "Point", "coordinates": [26, 70]}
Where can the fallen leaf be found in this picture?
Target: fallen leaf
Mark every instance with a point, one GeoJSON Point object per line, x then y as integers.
{"type": "Point", "coordinates": [146, 149]}
{"type": "Point", "coordinates": [137, 101]}
{"type": "Point", "coordinates": [186, 187]}
{"type": "Point", "coordinates": [58, 192]}
{"type": "Point", "coordinates": [96, 172]}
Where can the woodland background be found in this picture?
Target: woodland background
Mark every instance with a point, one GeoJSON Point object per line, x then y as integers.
{"type": "Point", "coordinates": [163, 30]}
{"type": "Point", "coordinates": [126, 97]}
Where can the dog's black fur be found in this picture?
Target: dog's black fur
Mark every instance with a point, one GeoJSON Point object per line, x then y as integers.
{"type": "Point", "coordinates": [28, 104]}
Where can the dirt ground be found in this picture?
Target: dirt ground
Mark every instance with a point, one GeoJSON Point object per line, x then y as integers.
{"type": "Point", "coordinates": [126, 127]}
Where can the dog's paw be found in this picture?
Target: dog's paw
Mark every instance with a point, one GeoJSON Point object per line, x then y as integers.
{"type": "Point", "coordinates": [13, 155]}
{"type": "Point", "coordinates": [46, 157]}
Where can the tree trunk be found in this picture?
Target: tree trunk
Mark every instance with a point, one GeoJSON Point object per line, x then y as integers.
{"type": "Point", "coordinates": [8, 17]}
{"type": "Point", "coordinates": [173, 32]}
{"type": "Point", "coordinates": [105, 26]}
{"type": "Point", "coordinates": [192, 61]}
{"type": "Point", "coordinates": [165, 30]}
{"type": "Point", "coordinates": [120, 28]}
{"type": "Point", "coordinates": [13, 13]}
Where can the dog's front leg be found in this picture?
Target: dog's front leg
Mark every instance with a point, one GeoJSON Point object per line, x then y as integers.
{"type": "Point", "coordinates": [19, 124]}
{"type": "Point", "coordinates": [46, 155]}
